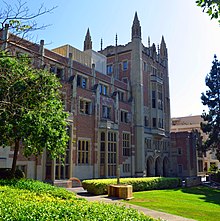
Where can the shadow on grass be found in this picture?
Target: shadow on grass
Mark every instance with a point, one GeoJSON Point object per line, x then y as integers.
{"type": "Point", "coordinates": [89, 196]}
{"type": "Point", "coordinates": [207, 194]}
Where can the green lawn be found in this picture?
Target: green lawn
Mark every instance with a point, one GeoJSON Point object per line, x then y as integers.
{"type": "Point", "coordinates": [199, 203]}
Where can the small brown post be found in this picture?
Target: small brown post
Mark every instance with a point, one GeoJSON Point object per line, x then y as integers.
{"type": "Point", "coordinates": [118, 175]}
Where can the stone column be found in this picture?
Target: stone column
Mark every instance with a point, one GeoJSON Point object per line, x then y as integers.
{"type": "Point", "coordinates": [5, 36]}
{"type": "Point", "coordinates": [137, 92]}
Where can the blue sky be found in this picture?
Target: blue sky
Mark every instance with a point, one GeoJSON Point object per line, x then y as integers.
{"type": "Point", "coordinates": [192, 38]}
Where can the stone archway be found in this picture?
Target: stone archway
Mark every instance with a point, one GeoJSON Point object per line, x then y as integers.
{"type": "Point", "coordinates": [150, 166]}
{"type": "Point", "coordinates": [165, 166]}
{"type": "Point", "coordinates": [158, 167]}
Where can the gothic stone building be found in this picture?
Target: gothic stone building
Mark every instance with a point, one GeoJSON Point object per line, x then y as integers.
{"type": "Point", "coordinates": [119, 106]}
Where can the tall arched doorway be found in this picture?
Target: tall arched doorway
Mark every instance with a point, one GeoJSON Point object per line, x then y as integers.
{"type": "Point", "coordinates": [150, 166]}
{"type": "Point", "coordinates": [158, 167]}
{"type": "Point", "coordinates": [165, 166]}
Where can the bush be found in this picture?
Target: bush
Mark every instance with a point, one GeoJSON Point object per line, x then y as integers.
{"type": "Point", "coordinates": [216, 177]}
{"type": "Point", "coordinates": [20, 200]}
{"type": "Point", "coordinates": [19, 174]}
{"type": "Point", "coordinates": [213, 168]}
{"type": "Point", "coordinates": [5, 173]}
{"type": "Point", "coordinates": [99, 186]}
{"type": "Point", "coordinates": [38, 187]}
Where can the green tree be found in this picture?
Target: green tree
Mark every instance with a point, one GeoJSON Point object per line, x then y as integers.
{"type": "Point", "coordinates": [31, 109]}
{"type": "Point", "coordinates": [211, 7]}
{"type": "Point", "coordinates": [211, 99]}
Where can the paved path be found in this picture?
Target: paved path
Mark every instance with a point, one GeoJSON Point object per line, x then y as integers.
{"type": "Point", "coordinates": [104, 198]}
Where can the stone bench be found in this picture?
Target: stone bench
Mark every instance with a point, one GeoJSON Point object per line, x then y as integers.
{"type": "Point", "coordinates": [121, 191]}
{"type": "Point", "coordinates": [63, 183]}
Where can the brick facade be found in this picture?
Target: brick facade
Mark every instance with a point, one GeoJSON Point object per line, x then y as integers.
{"type": "Point", "coordinates": [184, 152]}
{"type": "Point", "coordinates": [185, 136]}
{"type": "Point", "coordinates": [119, 120]}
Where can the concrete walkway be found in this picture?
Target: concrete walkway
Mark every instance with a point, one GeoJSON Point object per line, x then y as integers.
{"type": "Point", "coordinates": [104, 198]}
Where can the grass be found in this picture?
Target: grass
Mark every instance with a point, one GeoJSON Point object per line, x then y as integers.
{"type": "Point", "coordinates": [200, 203]}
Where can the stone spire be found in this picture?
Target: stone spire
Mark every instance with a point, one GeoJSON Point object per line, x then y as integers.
{"type": "Point", "coordinates": [163, 49]}
{"type": "Point", "coordinates": [136, 28]}
{"type": "Point", "coordinates": [163, 41]}
{"type": "Point", "coordinates": [88, 41]}
{"type": "Point", "coordinates": [116, 65]}
{"type": "Point", "coordinates": [101, 44]}
{"type": "Point", "coordinates": [116, 40]}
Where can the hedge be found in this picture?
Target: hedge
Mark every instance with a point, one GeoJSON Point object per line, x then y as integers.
{"type": "Point", "coordinates": [5, 173]}
{"type": "Point", "coordinates": [38, 188]}
{"type": "Point", "coordinates": [215, 177]}
{"type": "Point", "coordinates": [99, 186]}
{"type": "Point", "coordinates": [18, 201]}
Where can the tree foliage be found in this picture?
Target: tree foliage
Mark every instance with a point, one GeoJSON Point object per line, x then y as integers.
{"type": "Point", "coordinates": [211, 7]}
{"type": "Point", "coordinates": [31, 110]}
{"type": "Point", "coordinates": [211, 99]}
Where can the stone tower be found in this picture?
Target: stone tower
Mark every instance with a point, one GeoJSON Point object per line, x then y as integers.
{"type": "Point", "coordinates": [137, 95]}
{"type": "Point", "coordinates": [88, 41]}
{"type": "Point", "coordinates": [146, 68]}
{"type": "Point", "coordinates": [164, 57]}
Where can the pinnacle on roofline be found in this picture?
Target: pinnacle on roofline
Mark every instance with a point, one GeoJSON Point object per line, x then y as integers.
{"type": "Point", "coordinates": [136, 28]}
{"type": "Point", "coordinates": [88, 41]}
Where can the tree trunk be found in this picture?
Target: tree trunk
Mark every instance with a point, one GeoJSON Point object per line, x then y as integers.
{"type": "Point", "coordinates": [15, 157]}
